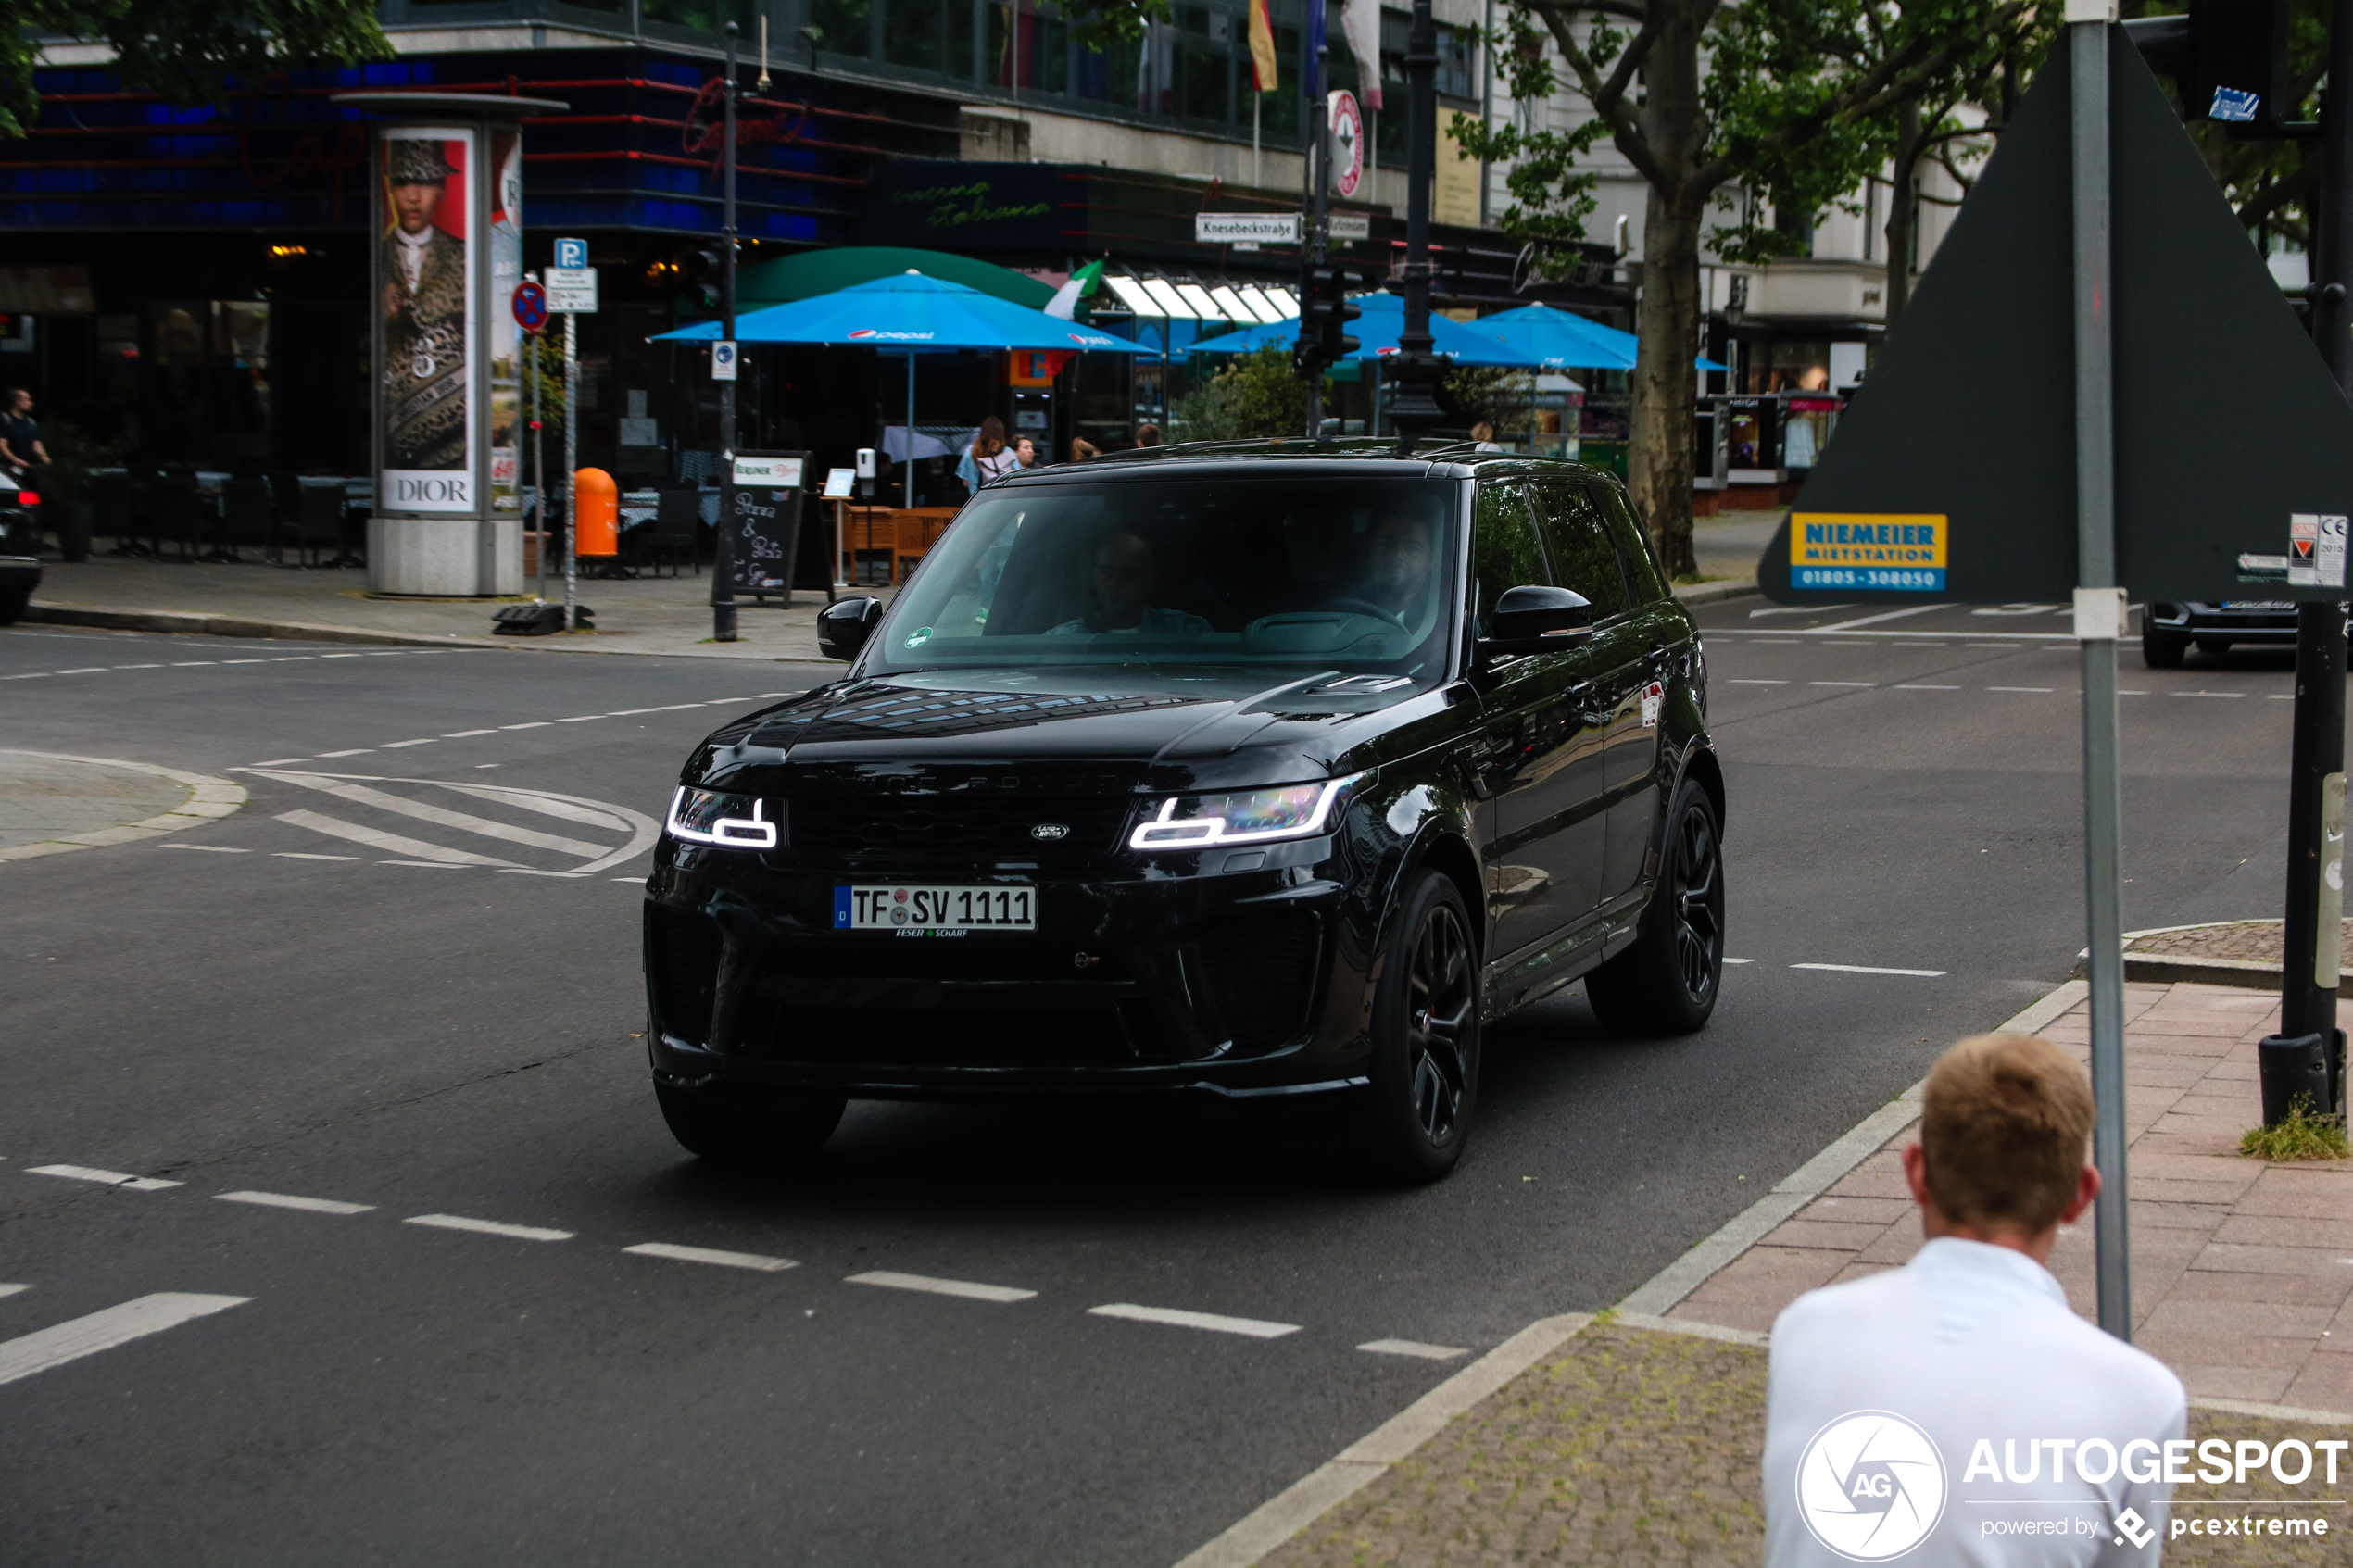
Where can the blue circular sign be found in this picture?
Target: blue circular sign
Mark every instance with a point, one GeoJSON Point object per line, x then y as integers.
{"type": "Point", "coordinates": [530, 305]}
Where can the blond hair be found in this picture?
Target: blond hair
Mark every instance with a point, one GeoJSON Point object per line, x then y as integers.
{"type": "Point", "coordinates": [2004, 1126]}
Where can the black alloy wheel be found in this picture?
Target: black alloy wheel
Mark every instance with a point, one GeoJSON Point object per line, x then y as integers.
{"type": "Point", "coordinates": [1426, 1036]}
{"type": "Point", "coordinates": [2162, 649]}
{"type": "Point", "coordinates": [1667, 983]}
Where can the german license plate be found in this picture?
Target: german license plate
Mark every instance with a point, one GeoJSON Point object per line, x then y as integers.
{"type": "Point", "coordinates": [915, 908]}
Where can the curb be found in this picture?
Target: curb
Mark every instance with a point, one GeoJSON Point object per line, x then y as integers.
{"type": "Point", "coordinates": [1355, 1467]}
{"type": "Point", "coordinates": [1710, 592]}
{"type": "Point", "coordinates": [209, 798]}
{"type": "Point", "coordinates": [2164, 969]}
{"type": "Point", "coordinates": [238, 626]}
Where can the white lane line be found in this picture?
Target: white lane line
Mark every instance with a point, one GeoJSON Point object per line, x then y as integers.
{"type": "Point", "coordinates": [104, 1178]}
{"type": "Point", "coordinates": [440, 816]}
{"type": "Point", "coordinates": [354, 751]}
{"type": "Point", "coordinates": [638, 880]}
{"type": "Point", "coordinates": [582, 719]}
{"type": "Point", "coordinates": [434, 865]}
{"type": "Point", "coordinates": [278, 762]}
{"type": "Point", "coordinates": [105, 1330]}
{"type": "Point", "coordinates": [292, 658]}
{"type": "Point", "coordinates": [30, 675]}
{"type": "Point", "coordinates": [711, 1255]}
{"type": "Point", "coordinates": [464, 735]}
{"type": "Point", "coordinates": [303, 854]}
{"type": "Point", "coordinates": [1923, 686]}
{"type": "Point", "coordinates": [207, 848]}
{"type": "Point", "coordinates": [535, 724]}
{"type": "Point", "coordinates": [627, 712]}
{"type": "Point", "coordinates": [2275, 696]}
{"type": "Point", "coordinates": [87, 669]}
{"type": "Point", "coordinates": [13, 1289]}
{"type": "Point", "coordinates": [1214, 1322]}
{"type": "Point", "coordinates": [1868, 969]}
{"type": "Point", "coordinates": [2205, 693]}
{"type": "Point", "coordinates": [400, 745]}
{"type": "Point", "coordinates": [1751, 683]}
{"type": "Point", "coordinates": [1842, 683]}
{"type": "Point", "coordinates": [2043, 689]}
{"type": "Point", "coordinates": [486, 1227]}
{"type": "Point", "coordinates": [290, 1200]}
{"type": "Point", "coordinates": [562, 806]}
{"type": "Point", "coordinates": [1739, 960]}
{"type": "Point", "coordinates": [2004, 647]}
{"type": "Point", "coordinates": [244, 661]}
{"type": "Point", "coordinates": [1412, 1347]}
{"type": "Point", "coordinates": [138, 667]}
{"type": "Point", "coordinates": [674, 706]}
{"type": "Point", "coordinates": [963, 1287]}
{"type": "Point", "coordinates": [2126, 691]}
{"type": "Point", "coordinates": [185, 663]}
{"type": "Point", "coordinates": [342, 656]}
{"type": "Point", "coordinates": [526, 871]}
{"type": "Point", "coordinates": [376, 838]}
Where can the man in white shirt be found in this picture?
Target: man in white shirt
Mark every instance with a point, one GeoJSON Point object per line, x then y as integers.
{"type": "Point", "coordinates": [1956, 1410]}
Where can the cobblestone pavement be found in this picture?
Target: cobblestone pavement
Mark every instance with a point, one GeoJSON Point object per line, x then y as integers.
{"type": "Point", "coordinates": [1636, 1448]}
{"type": "Point", "coordinates": [2242, 1271]}
{"type": "Point", "coordinates": [52, 805]}
{"type": "Point", "coordinates": [2243, 941]}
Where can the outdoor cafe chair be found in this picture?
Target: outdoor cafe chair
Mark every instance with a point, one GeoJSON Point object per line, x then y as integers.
{"type": "Point", "coordinates": [173, 515]}
{"type": "Point", "coordinates": [246, 517]}
{"type": "Point", "coordinates": [319, 522]}
{"type": "Point", "coordinates": [674, 531]}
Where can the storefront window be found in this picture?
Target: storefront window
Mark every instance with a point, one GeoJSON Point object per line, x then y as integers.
{"type": "Point", "coordinates": [841, 27]}
{"type": "Point", "coordinates": [704, 15]}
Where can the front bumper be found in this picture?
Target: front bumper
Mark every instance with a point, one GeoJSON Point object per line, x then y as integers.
{"type": "Point", "coordinates": [2261, 622]}
{"type": "Point", "coordinates": [1150, 973]}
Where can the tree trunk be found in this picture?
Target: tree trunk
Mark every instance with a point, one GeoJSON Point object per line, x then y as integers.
{"type": "Point", "coordinates": [1661, 458]}
{"type": "Point", "coordinates": [1903, 210]}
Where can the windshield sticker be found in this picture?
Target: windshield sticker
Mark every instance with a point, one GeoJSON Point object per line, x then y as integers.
{"type": "Point", "coordinates": [919, 636]}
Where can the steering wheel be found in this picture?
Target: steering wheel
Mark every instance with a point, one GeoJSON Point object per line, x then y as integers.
{"type": "Point", "coordinates": [1360, 606]}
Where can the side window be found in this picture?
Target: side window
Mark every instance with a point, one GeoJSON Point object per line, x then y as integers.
{"type": "Point", "coordinates": [1577, 541]}
{"type": "Point", "coordinates": [1504, 553]}
{"type": "Point", "coordinates": [1633, 544]}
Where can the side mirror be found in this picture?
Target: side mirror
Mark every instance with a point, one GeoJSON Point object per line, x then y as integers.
{"type": "Point", "coordinates": [1538, 618]}
{"type": "Point", "coordinates": [844, 626]}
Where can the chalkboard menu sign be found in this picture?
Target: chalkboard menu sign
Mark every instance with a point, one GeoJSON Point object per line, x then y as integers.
{"type": "Point", "coordinates": [759, 503]}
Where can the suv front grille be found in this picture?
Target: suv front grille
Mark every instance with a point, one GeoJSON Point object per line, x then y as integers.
{"type": "Point", "coordinates": [977, 827]}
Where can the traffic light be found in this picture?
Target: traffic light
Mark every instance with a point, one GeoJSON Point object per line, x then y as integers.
{"type": "Point", "coordinates": [705, 267]}
{"type": "Point", "coordinates": [1324, 310]}
{"type": "Point", "coordinates": [2227, 58]}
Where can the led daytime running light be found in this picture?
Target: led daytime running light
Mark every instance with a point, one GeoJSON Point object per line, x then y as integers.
{"type": "Point", "coordinates": [755, 831]}
{"type": "Point", "coordinates": [1167, 830]}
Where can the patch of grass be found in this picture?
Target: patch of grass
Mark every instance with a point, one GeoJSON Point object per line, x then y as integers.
{"type": "Point", "coordinates": [2304, 1134]}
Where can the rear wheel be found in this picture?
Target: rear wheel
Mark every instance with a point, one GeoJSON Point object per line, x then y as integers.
{"type": "Point", "coordinates": [12, 605]}
{"type": "Point", "coordinates": [1425, 1067]}
{"type": "Point", "coordinates": [2162, 650]}
{"type": "Point", "coordinates": [741, 1127]}
{"type": "Point", "coordinates": [1666, 984]}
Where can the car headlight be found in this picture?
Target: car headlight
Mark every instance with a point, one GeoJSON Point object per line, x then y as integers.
{"type": "Point", "coordinates": [704, 816]}
{"type": "Point", "coordinates": [1255, 816]}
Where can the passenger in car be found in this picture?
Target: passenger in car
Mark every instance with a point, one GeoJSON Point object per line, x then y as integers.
{"type": "Point", "coordinates": [1126, 574]}
{"type": "Point", "coordinates": [1404, 554]}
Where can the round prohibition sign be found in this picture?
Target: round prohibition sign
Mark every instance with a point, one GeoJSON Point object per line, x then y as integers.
{"type": "Point", "coordinates": [530, 305]}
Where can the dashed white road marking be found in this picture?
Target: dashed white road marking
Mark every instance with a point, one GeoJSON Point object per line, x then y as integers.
{"type": "Point", "coordinates": [535, 724]}
{"type": "Point", "coordinates": [1869, 969]}
{"type": "Point", "coordinates": [2205, 693]}
{"type": "Point", "coordinates": [580, 719]}
{"type": "Point", "coordinates": [305, 855]}
{"type": "Point", "coordinates": [1739, 960]}
{"type": "Point", "coordinates": [352, 752]}
{"type": "Point", "coordinates": [1412, 1347]}
{"type": "Point", "coordinates": [966, 1288]}
{"type": "Point", "coordinates": [207, 848]}
{"type": "Point", "coordinates": [711, 1255]}
{"type": "Point", "coordinates": [400, 745]}
{"type": "Point", "coordinates": [282, 761]}
{"type": "Point", "coordinates": [1753, 682]}
{"type": "Point", "coordinates": [1923, 686]}
{"type": "Point", "coordinates": [104, 1178]}
{"type": "Point", "coordinates": [105, 1330]}
{"type": "Point", "coordinates": [2045, 690]}
{"type": "Point", "coordinates": [1215, 1322]}
{"type": "Point", "coordinates": [290, 1200]}
{"type": "Point", "coordinates": [1842, 683]}
{"type": "Point", "coordinates": [13, 1289]}
{"type": "Point", "coordinates": [435, 865]}
{"type": "Point", "coordinates": [87, 669]}
{"type": "Point", "coordinates": [481, 827]}
{"type": "Point", "coordinates": [486, 1227]}
{"type": "Point", "coordinates": [467, 735]}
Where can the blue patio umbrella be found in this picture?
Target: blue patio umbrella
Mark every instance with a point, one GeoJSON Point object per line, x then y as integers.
{"type": "Point", "coordinates": [1562, 339]}
{"type": "Point", "coordinates": [1377, 331]}
{"type": "Point", "coordinates": [913, 313]}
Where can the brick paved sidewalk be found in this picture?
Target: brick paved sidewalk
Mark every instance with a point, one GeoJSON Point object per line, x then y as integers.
{"type": "Point", "coordinates": [2242, 1272]}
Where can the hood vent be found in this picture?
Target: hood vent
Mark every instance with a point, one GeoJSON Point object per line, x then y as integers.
{"type": "Point", "coordinates": [922, 713]}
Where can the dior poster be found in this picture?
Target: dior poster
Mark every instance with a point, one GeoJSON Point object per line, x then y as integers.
{"type": "Point", "coordinates": [426, 320]}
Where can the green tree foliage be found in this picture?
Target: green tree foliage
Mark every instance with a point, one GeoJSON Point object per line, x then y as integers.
{"type": "Point", "coordinates": [185, 50]}
{"type": "Point", "coordinates": [2272, 185]}
{"type": "Point", "coordinates": [1255, 396]}
{"type": "Point", "coordinates": [1504, 397]}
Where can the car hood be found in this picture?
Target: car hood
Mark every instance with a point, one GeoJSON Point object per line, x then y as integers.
{"type": "Point", "coordinates": [1154, 728]}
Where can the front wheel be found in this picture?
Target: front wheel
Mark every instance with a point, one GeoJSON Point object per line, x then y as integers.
{"type": "Point", "coordinates": [1425, 1067]}
{"type": "Point", "coordinates": [1667, 983]}
{"type": "Point", "coordinates": [736, 1128]}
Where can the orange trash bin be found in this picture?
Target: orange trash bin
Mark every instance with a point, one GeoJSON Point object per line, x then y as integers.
{"type": "Point", "coordinates": [596, 505]}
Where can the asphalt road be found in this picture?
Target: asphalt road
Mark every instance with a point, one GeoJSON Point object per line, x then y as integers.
{"type": "Point", "coordinates": [329, 1015]}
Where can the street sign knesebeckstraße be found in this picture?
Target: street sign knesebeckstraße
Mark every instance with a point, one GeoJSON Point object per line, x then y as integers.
{"type": "Point", "coordinates": [722, 360]}
{"type": "Point", "coordinates": [1263, 228]}
{"type": "Point", "coordinates": [1952, 474]}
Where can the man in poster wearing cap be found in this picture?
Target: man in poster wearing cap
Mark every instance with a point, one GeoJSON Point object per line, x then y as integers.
{"type": "Point", "coordinates": [424, 306]}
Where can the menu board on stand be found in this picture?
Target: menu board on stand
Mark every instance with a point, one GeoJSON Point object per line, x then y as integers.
{"type": "Point", "coordinates": [759, 501]}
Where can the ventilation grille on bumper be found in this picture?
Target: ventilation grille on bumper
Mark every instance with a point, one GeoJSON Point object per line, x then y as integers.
{"type": "Point", "coordinates": [1262, 975]}
{"type": "Point", "coordinates": [975, 826]}
{"type": "Point", "coordinates": [683, 953]}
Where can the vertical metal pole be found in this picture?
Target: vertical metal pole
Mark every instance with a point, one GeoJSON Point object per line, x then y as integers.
{"type": "Point", "coordinates": [538, 474]}
{"type": "Point", "coordinates": [722, 566]}
{"type": "Point", "coordinates": [1319, 198]}
{"type": "Point", "coordinates": [572, 467]}
{"type": "Point", "coordinates": [2316, 747]}
{"type": "Point", "coordinates": [1412, 409]}
{"type": "Point", "coordinates": [1257, 152]}
{"type": "Point", "coordinates": [907, 469]}
{"type": "Point", "coordinates": [2095, 568]}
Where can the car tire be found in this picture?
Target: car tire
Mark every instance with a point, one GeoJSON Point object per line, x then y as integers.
{"type": "Point", "coordinates": [2215, 646]}
{"type": "Point", "coordinates": [1426, 1038]}
{"type": "Point", "coordinates": [2162, 650]}
{"type": "Point", "coordinates": [13, 603]}
{"type": "Point", "coordinates": [732, 1127]}
{"type": "Point", "coordinates": [1668, 981]}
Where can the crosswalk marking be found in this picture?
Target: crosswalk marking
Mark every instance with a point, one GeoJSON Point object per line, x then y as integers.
{"type": "Point", "coordinates": [890, 1280]}
{"type": "Point", "coordinates": [81, 1336]}
{"type": "Point", "coordinates": [360, 794]}
{"type": "Point", "coordinates": [104, 1178]}
{"type": "Point", "coordinates": [376, 838]}
{"type": "Point", "coordinates": [711, 1255]}
{"type": "Point", "coordinates": [1215, 1322]}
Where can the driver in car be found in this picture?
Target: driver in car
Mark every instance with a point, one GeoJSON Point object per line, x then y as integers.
{"type": "Point", "coordinates": [1404, 554]}
{"type": "Point", "coordinates": [1126, 576]}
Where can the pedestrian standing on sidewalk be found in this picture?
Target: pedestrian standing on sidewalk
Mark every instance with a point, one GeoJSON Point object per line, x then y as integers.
{"type": "Point", "coordinates": [21, 446]}
{"type": "Point", "coordinates": [1957, 1403]}
{"type": "Point", "coordinates": [989, 458]}
{"type": "Point", "coordinates": [1026, 452]}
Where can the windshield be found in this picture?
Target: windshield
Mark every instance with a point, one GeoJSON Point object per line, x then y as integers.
{"type": "Point", "coordinates": [1313, 573]}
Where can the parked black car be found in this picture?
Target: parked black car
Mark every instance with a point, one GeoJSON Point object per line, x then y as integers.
{"type": "Point", "coordinates": [1256, 771]}
{"type": "Point", "coordinates": [19, 548]}
{"type": "Point", "coordinates": [2168, 630]}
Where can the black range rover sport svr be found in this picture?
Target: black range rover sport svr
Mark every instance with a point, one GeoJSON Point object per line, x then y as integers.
{"type": "Point", "coordinates": [1252, 770]}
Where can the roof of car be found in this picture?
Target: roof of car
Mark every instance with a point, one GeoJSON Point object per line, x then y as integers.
{"type": "Point", "coordinates": [1457, 459]}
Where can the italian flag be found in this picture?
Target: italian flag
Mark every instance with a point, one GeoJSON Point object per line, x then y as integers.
{"type": "Point", "coordinates": [1069, 298]}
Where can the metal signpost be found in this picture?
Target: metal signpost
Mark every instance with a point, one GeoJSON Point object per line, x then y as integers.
{"type": "Point", "coordinates": [572, 288]}
{"type": "Point", "coordinates": [722, 566]}
{"type": "Point", "coordinates": [530, 305]}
